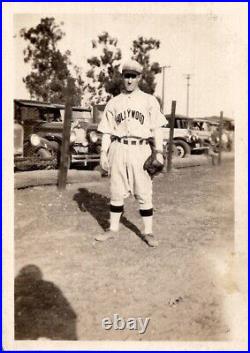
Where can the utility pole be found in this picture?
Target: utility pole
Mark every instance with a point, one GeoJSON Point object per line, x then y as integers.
{"type": "Point", "coordinates": [163, 86]}
{"type": "Point", "coordinates": [187, 76]}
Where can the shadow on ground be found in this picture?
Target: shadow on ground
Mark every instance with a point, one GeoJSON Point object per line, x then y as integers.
{"type": "Point", "coordinates": [98, 206]}
{"type": "Point", "coordinates": [41, 310]}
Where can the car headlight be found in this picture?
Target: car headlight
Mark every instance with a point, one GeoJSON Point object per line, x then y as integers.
{"type": "Point", "coordinates": [189, 138]}
{"type": "Point", "coordinates": [93, 136]}
{"type": "Point", "coordinates": [194, 138]}
{"type": "Point", "coordinates": [35, 140]}
{"type": "Point", "coordinates": [72, 137]}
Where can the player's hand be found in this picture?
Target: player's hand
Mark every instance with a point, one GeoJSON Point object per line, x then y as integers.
{"type": "Point", "coordinates": [104, 162]}
{"type": "Point", "coordinates": [159, 157]}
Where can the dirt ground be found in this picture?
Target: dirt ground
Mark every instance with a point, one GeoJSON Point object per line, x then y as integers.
{"type": "Point", "coordinates": [66, 283]}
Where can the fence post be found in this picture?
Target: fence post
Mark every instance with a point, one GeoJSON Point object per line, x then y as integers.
{"type": "Point", "coordinates": [220, 136]}
{"type": "Point", "coordinates": [64, 157]}
{"type": "Point", "coordinates": [171, 135]}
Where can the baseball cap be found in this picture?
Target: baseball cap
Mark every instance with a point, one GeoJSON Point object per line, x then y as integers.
{"type": "Point", "coordinates": [132, 66]}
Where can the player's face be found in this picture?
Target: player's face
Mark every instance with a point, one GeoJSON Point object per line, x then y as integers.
{"type": "Point", "coordinates": [131, 81]}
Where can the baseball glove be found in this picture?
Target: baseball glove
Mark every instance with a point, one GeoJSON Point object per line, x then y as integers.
{"type": "Point", "coordinates": [152, 165]}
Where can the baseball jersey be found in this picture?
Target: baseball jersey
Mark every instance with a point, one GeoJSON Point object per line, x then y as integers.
{"type": "Point", "coordinates": [132, 114]}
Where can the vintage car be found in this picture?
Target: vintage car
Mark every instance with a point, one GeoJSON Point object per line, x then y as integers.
{"type": "Point", "coordinates": [185, 138]}
{"type": "Point", "coordinates": [38, 133]}
{"type": "Point", "coordinates": [208, 131]}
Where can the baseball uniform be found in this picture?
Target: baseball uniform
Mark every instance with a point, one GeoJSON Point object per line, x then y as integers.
{"type": "Point", "coordinates": [130, 119]}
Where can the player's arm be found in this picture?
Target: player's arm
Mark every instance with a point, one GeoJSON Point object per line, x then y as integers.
{"type": "Point", "coordinates": [158, 139]}
{"type": "Point", "coordinates": [157, 121]}
{"type": "Point", "coordinates": [106, 141]}
{"type": "Point", "coordinates": [105, 126]}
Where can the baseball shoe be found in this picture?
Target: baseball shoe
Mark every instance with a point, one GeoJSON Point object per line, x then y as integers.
{"type": "Point", "coordinates": [150, 240]}
{"type": "Point", "coordinates": [109, 234]}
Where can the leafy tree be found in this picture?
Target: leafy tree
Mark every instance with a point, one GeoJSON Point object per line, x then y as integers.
{"type": "Point", "coordinates": [104, 76]}
{"type": "Point", "coordinates": [50, 68]}
{"type": "Point", "coordinates": [141, 50]}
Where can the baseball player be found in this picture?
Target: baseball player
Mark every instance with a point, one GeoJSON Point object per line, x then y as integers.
{"type": "Point", "coordinates": [129, 120]}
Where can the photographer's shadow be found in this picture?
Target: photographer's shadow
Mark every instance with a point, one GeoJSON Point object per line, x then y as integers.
{"type": "Point", "coordinates": [41, 310]}
{"type": "Point", "coordinates": [98, 206]}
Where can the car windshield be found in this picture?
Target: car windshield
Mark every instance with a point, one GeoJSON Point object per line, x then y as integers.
{"type": "Point", "coordinates": [44, 114]}
{"type": "Point", "coordinates": [180, 123]}
{"type": "Point", "coordinates": [82, 116]}
{"type": "Point", "coordinates": [35, 111]}
{"type": "Point", "coordinates": [201, 125]}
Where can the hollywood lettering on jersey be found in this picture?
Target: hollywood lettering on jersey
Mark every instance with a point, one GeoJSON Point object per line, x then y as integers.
{"type": "Point", "coordinates": [135, 114]}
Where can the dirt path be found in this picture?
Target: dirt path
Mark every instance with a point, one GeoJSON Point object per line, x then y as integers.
{"type": "Point", "coordinates": [180, 286]}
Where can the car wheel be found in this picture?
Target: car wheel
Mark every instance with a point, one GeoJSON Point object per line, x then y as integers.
{"type": "Point", "coordinates": [182, 148]}
{"type": "Point", "coordinates": [42, 153]}
{"type": "Point", "coordinates": [57, 152]}
{"type": "Point", "coordinates": [174, 150]}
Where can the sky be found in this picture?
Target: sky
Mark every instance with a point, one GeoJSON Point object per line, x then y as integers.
{"type": "Point", "coordinates": [209, 42]}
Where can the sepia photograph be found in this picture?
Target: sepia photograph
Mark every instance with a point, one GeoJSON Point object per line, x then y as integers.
{"type": "Point", "coordinates": [125, 176]}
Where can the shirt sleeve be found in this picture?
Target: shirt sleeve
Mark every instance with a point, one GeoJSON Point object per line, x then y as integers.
{"type": "Point", "coordinates": [106, 125]}
{"type": "Point", "coordinates": [157, 118]}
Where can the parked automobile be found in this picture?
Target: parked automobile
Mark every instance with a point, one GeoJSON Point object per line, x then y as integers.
{"type": "Point", "coordinates": [185, 139]}
{"type": "Point", "coordinates": [208, 130]}
{"type": "Point", "coordinates": [38, 133]}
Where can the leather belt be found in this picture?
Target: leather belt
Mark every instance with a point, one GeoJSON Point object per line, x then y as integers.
{"type": "Point", "coordinates": [131, 141]}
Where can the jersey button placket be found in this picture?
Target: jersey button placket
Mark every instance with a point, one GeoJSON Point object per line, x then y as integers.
{"type": "Point", "coordinates": [128, 118]}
